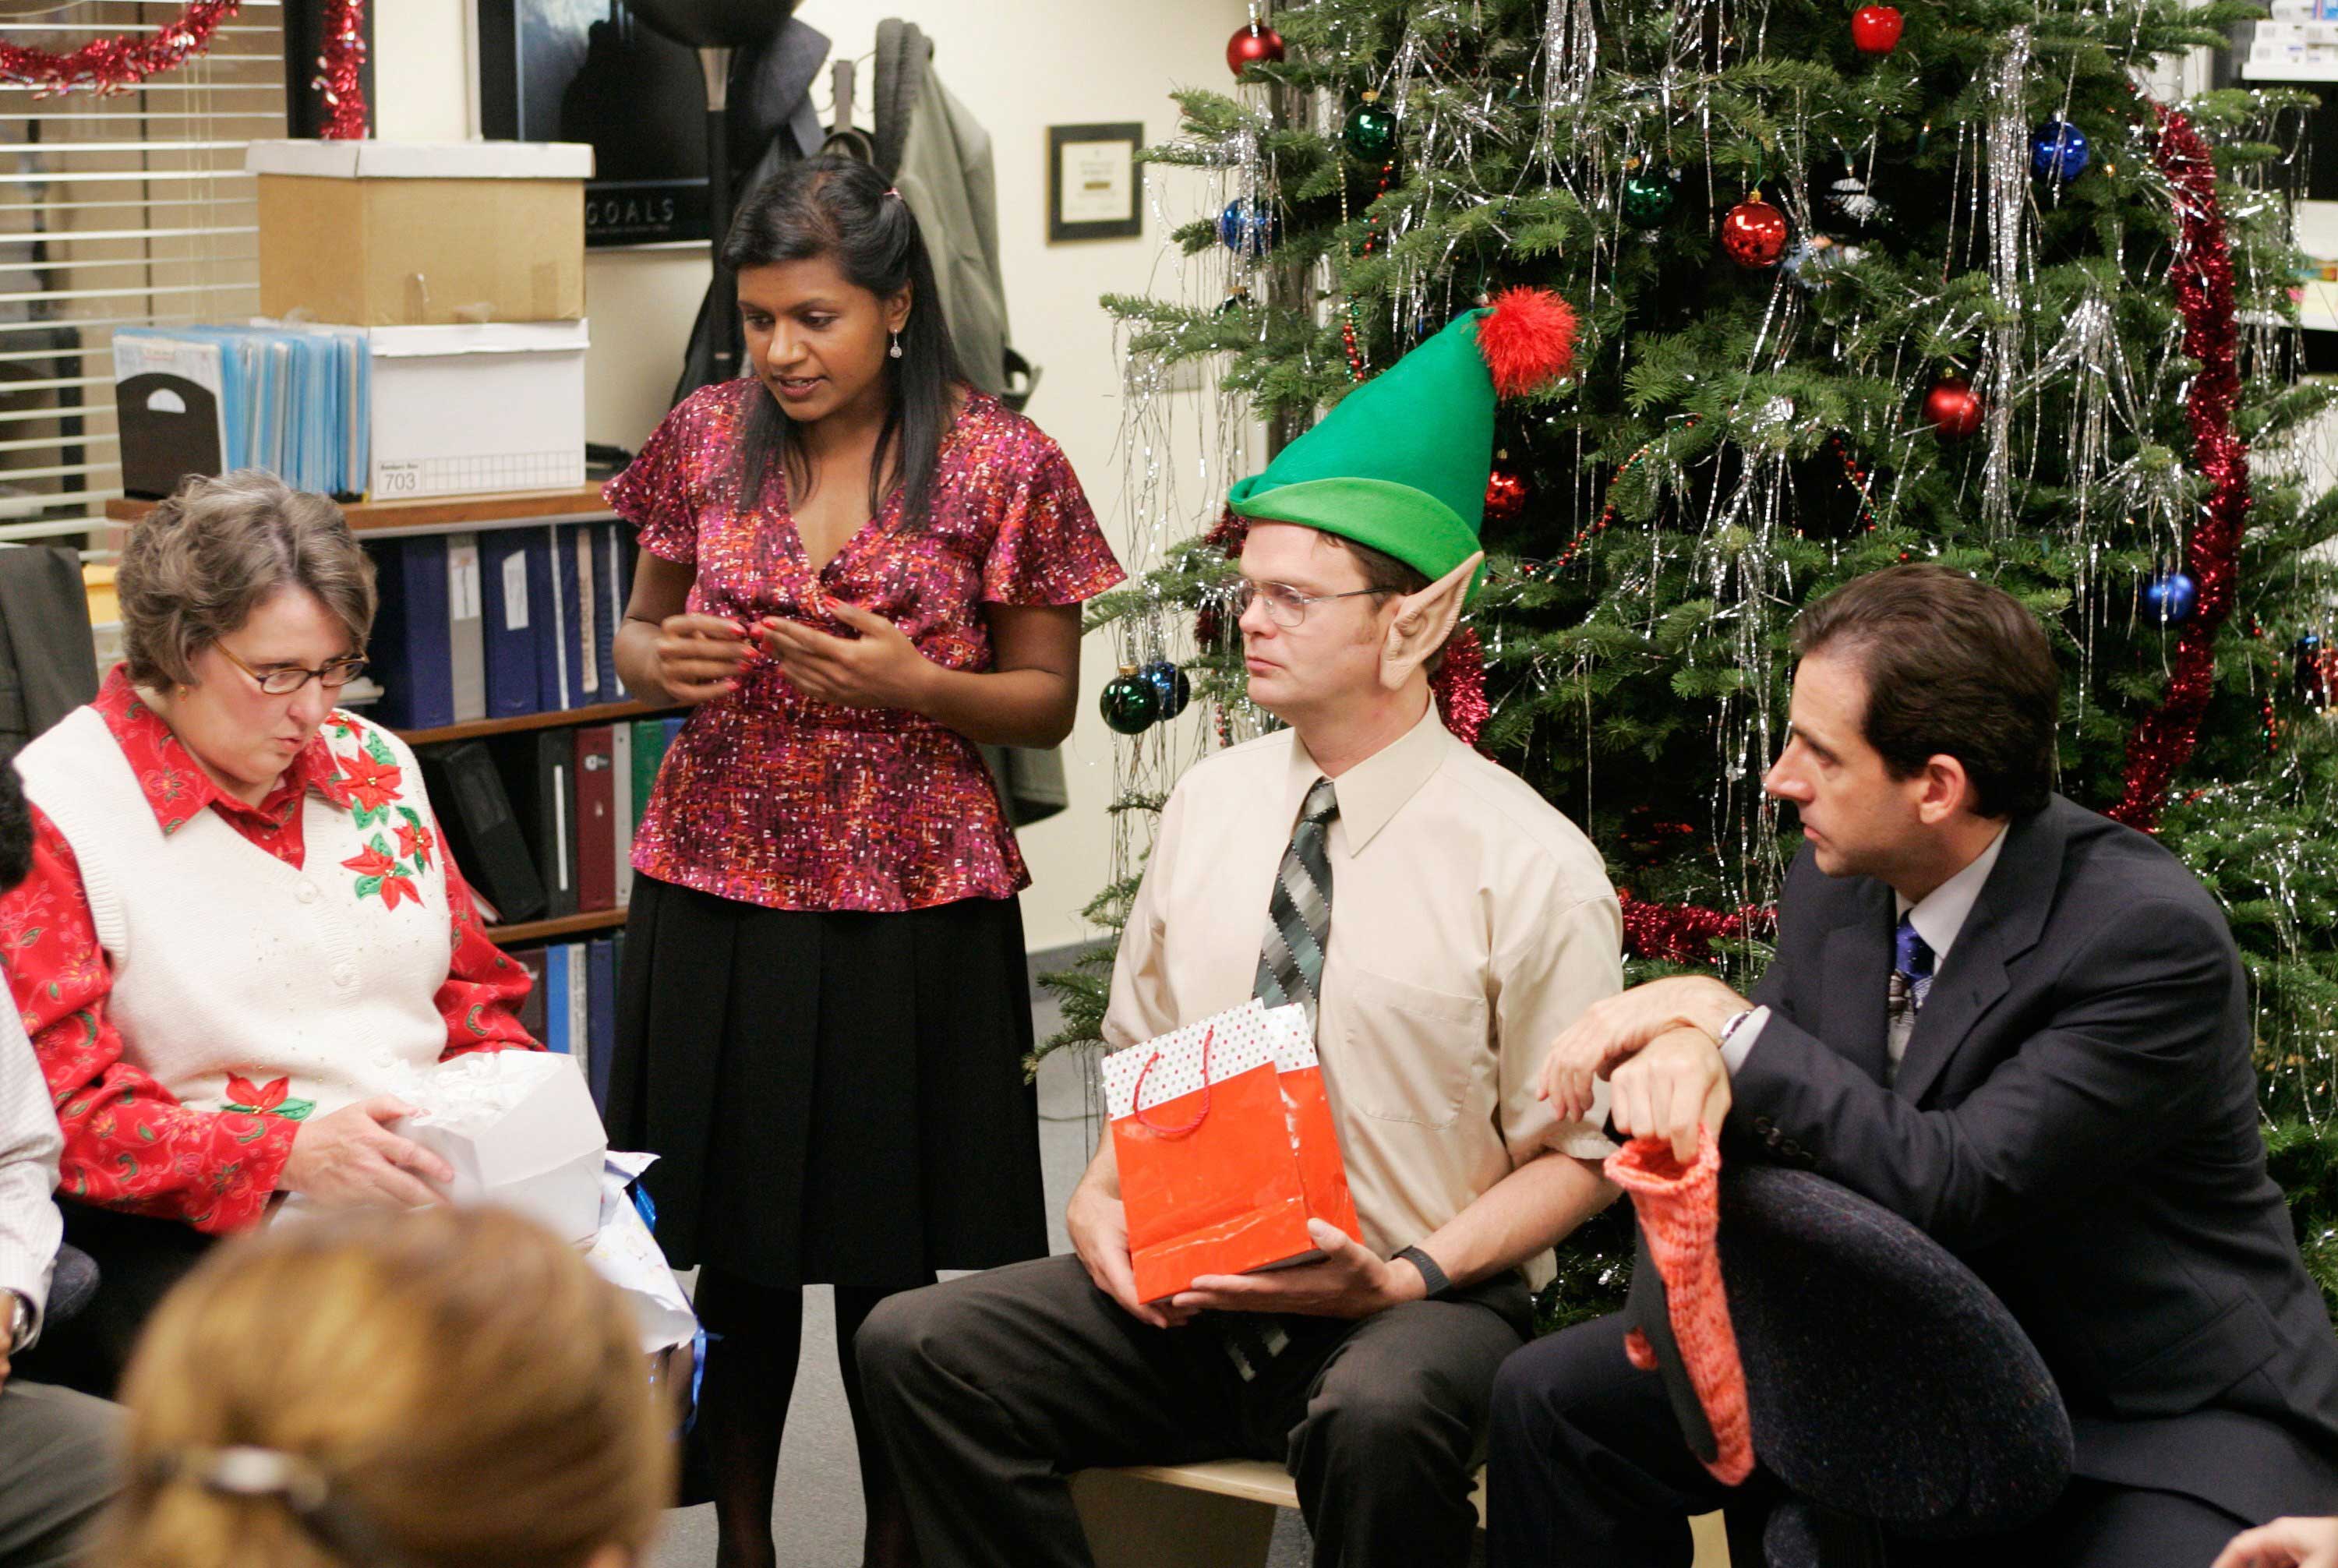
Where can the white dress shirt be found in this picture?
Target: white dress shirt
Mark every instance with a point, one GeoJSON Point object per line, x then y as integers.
{"type": "Point", "coordinates": [1938, 917]}
{"type": "Point", "coordinates": [30, 1143]}
{"type": "Point", "coordinates": [1470, 924]}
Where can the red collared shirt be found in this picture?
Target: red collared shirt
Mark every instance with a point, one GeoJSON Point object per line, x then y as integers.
{"type": "Point", "coordinates": [129, 1144]}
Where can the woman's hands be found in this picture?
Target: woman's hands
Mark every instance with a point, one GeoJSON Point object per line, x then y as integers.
{"type": "Point", "coordinates": [881, 668]}
{"type": "Point", "coordinates": [351, 1160]}
{"type": "Point", "coordinates": [699, 656]}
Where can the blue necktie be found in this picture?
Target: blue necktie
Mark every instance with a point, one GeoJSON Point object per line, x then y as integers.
{"type": "Point", "coordinates": [1911, 969]}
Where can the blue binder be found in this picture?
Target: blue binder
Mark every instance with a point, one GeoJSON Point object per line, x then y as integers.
{"type": "Point", "coordinates": [544, 621]}
{"type": "Point", "coordinates": [412, 651]}
{"type": "Point", "coordinates": [556, 981]}
{"type": "Point", "coordinates": [600, 1017]}
{"type": "Point", "coordinates": [573, 572]}
{"type": "Point", "coordinates": [509, 609]}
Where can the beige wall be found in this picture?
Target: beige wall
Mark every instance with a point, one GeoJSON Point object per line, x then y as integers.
{"type": "Point", "coordinates": [1019, 68]}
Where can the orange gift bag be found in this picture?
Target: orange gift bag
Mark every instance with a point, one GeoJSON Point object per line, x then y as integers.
{"type": "Point", "coordinates": [1223, 1155]}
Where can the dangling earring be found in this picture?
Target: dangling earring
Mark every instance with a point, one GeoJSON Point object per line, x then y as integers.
{"type": "Point", "coordinates": [895, 351]}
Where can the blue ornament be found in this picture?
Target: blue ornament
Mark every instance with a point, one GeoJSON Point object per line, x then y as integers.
{"type": "Point", "coordinates": [2171, 597]}
{"type": "Point", "coordinates": [1176, 689]}
{"type": "Point", "coordinates": [2060, 150]}
{"type": "Point", "coordinates": [1249, 228]}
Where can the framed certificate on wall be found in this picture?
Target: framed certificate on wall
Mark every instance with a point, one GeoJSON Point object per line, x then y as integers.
{"type": "Point", "coordinates": [1092, 188]}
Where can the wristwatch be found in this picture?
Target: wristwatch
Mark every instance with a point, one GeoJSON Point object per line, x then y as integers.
{"type": "Point", "coordinates": [20, 1321]}
{"type": "Point", "coordinates": [1431, 1275]}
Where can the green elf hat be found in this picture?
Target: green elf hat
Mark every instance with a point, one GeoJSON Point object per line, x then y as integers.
{"type": "Point", "coordinates": [1400, 464]}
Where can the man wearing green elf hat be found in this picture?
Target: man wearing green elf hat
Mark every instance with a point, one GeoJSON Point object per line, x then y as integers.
{"type": "Point", "coordinates": [1440, 923]}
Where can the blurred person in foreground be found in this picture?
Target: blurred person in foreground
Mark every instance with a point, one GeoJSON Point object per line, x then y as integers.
{"type": "Point", "coordinates": [56, 1460]}
{"type": "Point", "coordinates": [457, 1389]}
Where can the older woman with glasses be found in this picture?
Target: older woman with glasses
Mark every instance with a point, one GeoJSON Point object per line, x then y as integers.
{"type": "Point", "coordinates": [240, 926]}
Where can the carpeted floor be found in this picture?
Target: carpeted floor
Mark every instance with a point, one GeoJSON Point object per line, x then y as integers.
{"type": "Point", "coordinates": [818, 1521]}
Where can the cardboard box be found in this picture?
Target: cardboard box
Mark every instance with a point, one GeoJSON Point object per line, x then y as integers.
{"type": "Point", "coordinates": [470, 410]}
{"type": "Point", "coordinates": [520, 1130]}
{"type": "Point", "coordinates": [405, 234]}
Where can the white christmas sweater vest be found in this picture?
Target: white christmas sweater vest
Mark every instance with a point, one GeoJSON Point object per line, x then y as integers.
{"type": "Point", "coordinates": [229, 963]}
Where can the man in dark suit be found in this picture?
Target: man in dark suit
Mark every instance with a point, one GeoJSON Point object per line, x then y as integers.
{"type": "Point", "coordinates": [2021, 1026]}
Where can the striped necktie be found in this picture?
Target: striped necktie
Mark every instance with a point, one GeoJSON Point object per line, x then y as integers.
{"type": "Point", "coordinates": [1298, 913]}
{"type": "Point", "coordinates": [1290, 969]}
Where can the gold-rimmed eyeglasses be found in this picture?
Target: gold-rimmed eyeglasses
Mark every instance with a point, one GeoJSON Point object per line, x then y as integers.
{"type": "Point", "coordinates": [283, 680]}
{"type": "Point", "coordinates": [1287, 606]}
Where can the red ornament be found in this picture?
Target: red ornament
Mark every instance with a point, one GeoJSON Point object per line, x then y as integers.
{"type": "Point", "coordinates": [1875, 29]}
{"type": "Point", "coordinates": [1754, 233]}
{"type": "Point", "coordinates": [1254, 44]}
{"type": "Point", "coordinates": [1952, 408]}
{"type": "Point", "coordinates": [1507, 491]}
{"type": "Point", "coordinates": [121, 60]}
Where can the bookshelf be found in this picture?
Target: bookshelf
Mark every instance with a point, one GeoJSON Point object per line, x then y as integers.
{"type": "Point", "coordinates": [441, 513]}
{"type": "Point", "coordinates": [584, 923]}
{"type": "Point", "coordinates": [598, 713]}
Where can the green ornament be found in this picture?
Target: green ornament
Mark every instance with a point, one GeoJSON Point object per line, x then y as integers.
{"type": "Point", "coordinates": [1130, 701]}
{"type": "Point", "coordinates": [1371, 133]}
{"type": "Point", "coordinates": [1648, 199]}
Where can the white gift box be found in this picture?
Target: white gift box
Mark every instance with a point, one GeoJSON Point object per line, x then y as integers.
{"type": "Point", "coordinates": [520, 1130]}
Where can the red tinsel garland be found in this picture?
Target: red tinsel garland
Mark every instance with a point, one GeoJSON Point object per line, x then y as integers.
{"type": "Point", "coordinates": [1683, 933]}
{"type": "Point", "coordinates": [2202, 274]}
{"type": "Point", "coordinates": [122, 61]}
{"type": "Point", "coordinates": [339, 71]}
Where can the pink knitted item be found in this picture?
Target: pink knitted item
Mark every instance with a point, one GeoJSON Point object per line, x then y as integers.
{"type": "Point", "coordinates": [1680, 1216]}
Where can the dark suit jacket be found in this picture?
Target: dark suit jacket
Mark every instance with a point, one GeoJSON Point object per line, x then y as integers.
{"type": "Point", "coordinates": [2076, 1118]}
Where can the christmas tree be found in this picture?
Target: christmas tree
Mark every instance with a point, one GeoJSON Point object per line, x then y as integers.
{"type": "Point", "coordinates": [1854, 288]}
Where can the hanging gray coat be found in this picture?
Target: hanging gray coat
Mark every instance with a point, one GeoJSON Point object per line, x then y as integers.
{"type": "Point", "coordinates": [937, 155]}
{"type": "Point", "coordinates": [48, 665]}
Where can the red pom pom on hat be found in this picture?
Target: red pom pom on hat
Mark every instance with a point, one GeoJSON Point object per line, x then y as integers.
{"type": "Point", "coordinates": [1527, 340]}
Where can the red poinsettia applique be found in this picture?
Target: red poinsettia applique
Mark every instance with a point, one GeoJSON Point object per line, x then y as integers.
{"type": "Point", "coordinates": [253, 1100]}
{"type": "Point", "coordinates": [383, 875]}
{"type": "Point", "coordinates": [414, 837]}
{"type": "Point", "coordinates": [371, 784]}
{"type": "Point", "coordinates": [373, 860]}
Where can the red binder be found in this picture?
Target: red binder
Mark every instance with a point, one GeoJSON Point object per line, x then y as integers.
{"type": "Point", "coordinates": [596, 818]}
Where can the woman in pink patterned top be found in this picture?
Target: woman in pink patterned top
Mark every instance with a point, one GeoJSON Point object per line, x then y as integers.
{"type": "Point", "coordinates": [856, 569]}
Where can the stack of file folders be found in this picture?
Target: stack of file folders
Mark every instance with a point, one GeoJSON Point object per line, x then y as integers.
{"type": "Point", "coordinates": [294, 399]}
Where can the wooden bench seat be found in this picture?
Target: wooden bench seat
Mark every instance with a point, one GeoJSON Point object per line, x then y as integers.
{"type": "Point", "coordinates": [1221, 1515]}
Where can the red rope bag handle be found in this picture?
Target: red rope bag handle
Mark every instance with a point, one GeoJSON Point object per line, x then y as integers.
{"type": "Point", "coordinates": [1136, 1097]}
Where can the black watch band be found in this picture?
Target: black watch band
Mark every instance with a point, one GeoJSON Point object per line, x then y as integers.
{"type": "Point", "coordinates": [1430, 1274]}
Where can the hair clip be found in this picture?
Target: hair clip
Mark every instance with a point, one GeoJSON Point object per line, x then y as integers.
{"type": "Point", "coordinates": [246, 1472]}
{"type": "Point", "coordinates": [894, 194]}
{"type": "Point", "coordinates": [303, 1487]}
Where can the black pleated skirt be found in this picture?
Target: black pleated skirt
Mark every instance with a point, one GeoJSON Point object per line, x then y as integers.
{"type": "Point", "coordinates": [835, 1098]}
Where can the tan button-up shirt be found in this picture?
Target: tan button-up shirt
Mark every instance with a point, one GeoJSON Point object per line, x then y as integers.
{"type": "Point", "coordinates": [1471, 923]}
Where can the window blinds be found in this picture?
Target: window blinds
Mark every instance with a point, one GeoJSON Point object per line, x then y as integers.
{"type": "Point", "coordinates": [130, 208]}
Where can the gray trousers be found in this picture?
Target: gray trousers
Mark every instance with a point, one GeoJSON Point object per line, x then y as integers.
{"type": "Point", "coordinates": [59, 1457]}
{"type": "Point", "coordinates": [990, 1390]}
